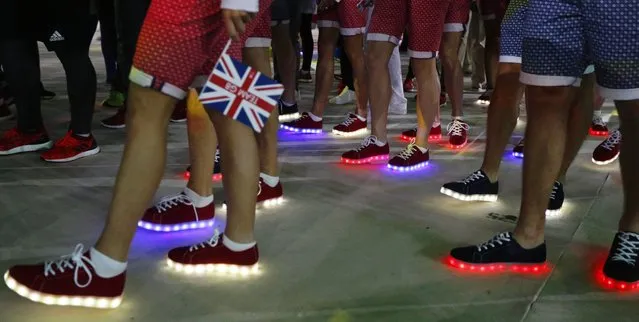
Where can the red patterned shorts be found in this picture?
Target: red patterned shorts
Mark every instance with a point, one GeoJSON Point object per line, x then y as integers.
{"type": "Point", "coordinates": [261, 35]}
{"type": "Point", "coordinates": [423, 18]}
{"type": "Point", "coordinates": [346, 16]}
{"type": "Point", "coordinates": [181, 40]}
{"type": "Point", "coordinates": [457, 16]}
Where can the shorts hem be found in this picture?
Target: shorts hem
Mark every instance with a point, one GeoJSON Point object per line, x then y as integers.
{"type": "Point", "coordinates": [547, 81]}
{"type": "Point", "coordinates": [327, 24]}
{"type": "Point", "coordinates": [146, 80]}
{"type": "Point", "coordinates": [510, 59]}
{"type": "Point", "coordinates": [257, 42]}
{"type": "Point", "coordinates": [422, 54]}
{"type": "Point", "coordinates": [626, 94]}
{"type": "Point", "coordinates": [453, 27]}
{"type": "Point", "coordinates": [382, 37]}
{"type": "Point", "coordinates": [352, 31]}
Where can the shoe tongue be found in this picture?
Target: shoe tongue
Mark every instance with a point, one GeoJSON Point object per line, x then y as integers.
{"type": "Point", "coordinates": [630, 234]}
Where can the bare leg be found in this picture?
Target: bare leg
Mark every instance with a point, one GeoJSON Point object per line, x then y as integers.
{"type": "Point", "coordinates": [284, 51]}
{"type": "Point", "coordinates": [355, 52]}
{"type": "Point", "coordinates": [629, 158]}
{"type": "Point", "coordinates": [141, 168]}
{"type": "Point", "coordinates": [378, 55]}
{"type": "Point", "coordinates": [548, 110]}
{"type": "Point", "coordinates": [240, 174]}
{"type": "Point", "coordinates": [453, 74]}
{"type": "Point", "coordinates": [202, 145]}
{"type": "Point", "coordinates": [491, 54]}
{"type": "Point", "coordinates": [502, 117]}
{"type": "Point", "coordinates": [427, 97]}
{"type": "Point", "coordinates": [324, 75]}
{"type": "Point", "coordinates": [259, 59]}
{"type": "Point", "coordinates": [579, 122]}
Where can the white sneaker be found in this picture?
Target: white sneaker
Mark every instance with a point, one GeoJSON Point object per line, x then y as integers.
{"type": "Point", "coordinates": [347, 96]}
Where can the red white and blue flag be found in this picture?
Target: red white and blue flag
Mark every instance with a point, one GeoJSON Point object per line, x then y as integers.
{"type": "Point", "coordinates": [240, 92]}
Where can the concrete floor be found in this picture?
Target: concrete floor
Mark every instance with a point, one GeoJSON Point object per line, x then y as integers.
{"type": "Point", "coordinates": [351, 243]}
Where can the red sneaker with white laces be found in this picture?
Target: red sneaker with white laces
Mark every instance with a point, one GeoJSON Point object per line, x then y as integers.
{"type": "Point", "coordinates": [353, 125]}
{"type": "Point", "coordinates": [304, 124]}
{"type": "Point", "coordinates": [14, 141]}
{"type": "Point", "coordinates": [71, 147]}
{"type": "Point", "coordinates": [69, 281]}
{"type": "Point", "coordinates": [434, 135]}
{"type": "Point", "coordinates": [457, 133]}
{"type": "Point", "coordinates": [608, 150]}
{"type": "Point", "coordinates": [369, 151]}
{"type": "Point", "coordinates": [213, 256]}
{"type": "Point", "coordinates": [412, 158]}
{"type": "Point", "coordinates": [117, 120]}
{"type": "Point", "coordinates": [598, 127]}
{"type": "Point", "coordinates": [175, 213]}
{"type": "Point", "coordinates": [269, 196]}
{"type": "Point", "coordinates": [409, 86]}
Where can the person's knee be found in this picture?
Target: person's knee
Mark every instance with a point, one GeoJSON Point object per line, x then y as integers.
{"type": "Point", "coordinates": [376, 59]}
{"type": "Point", "coordinates": [148, 108]}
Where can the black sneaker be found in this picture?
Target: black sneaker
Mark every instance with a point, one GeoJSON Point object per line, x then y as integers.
{"type": "Point", "coordinates": [484, 99]}
{"type": "Point", "coordinates": [287, 113]}
{"type": "Point", "coordinates": [621, 268]}
{"type": "Point", "coordinates": [217, 170]}
{"type": "Point", "coordinates": [475, 187]}
{"type": "Point", "coordinates": [518, 150]}
{"type": "Point", "coordinates": [556, 199]}
{"type": "Point", "coordinates": [501, 253]}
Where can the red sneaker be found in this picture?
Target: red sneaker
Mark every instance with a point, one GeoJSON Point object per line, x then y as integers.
{"type": "Point", "coordinates": [179, 112]}
{"type": "Point", "coordinates": [351, 126]}
{"type": "Point", "coordinates": [368, 152]}
{"type": "Point", "coordinates": [340, 87]}
{"type": "Point", "coordinates": [457, 133]}
{"type": "Point", "coordinates": [412, 158]}
{"type": "Point", "coordinates": [269, 196]}
{"type": "Point", "coordinates": [175, 213]}
{"type": "Point", "coordinates": [304, 124]}
{"type": "Point", "coordinates": [213, 256]}
{"type": "Point", "coordinates": [442, 99]}
{"type": "Point", "coordinates": [598, 127]}
{"type": "Point", "coordinates": [117, 121]}
{"type": "Point", "coordinates": [409, 86]}
{"type": "Point", "coordinates": [69, 281]}
{"type": "Point", "coordinates": [13, 141]}
{"type": "Point", "coordinates": [71, 147]}
{"type": "Point", "coordinates": [608, 150]}
{"type": "Point", "coordinates": [434, 135]}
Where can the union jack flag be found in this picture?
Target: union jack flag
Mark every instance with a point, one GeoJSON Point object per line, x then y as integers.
{"type": "Point", "coordinates": [240, 92]}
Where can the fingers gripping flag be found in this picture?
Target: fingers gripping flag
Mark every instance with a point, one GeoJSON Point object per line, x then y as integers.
{"type": "Point", "coordinates": [240, 92]}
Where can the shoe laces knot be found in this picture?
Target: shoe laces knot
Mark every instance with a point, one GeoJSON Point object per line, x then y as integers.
{"type": "Point", "coordinates": [473, 177]}
{"type": "Point", "coordinates": [350, 119]}
{"type": "Point", "coordinates": [627, 249]}
{"type": "Point", "coordinates": [371, 139]}
{"type": "Point", "coordinates": [613, 140]}
{"type": "Point", "coordinates": [76, 261]}
{"type": "Point", "coordinates": [169, 202]}
{"type": "Point", "coordinates": [497, 240]}
{"type": "Point", "coordinates": [457, 127]}
{"type": "Point", "coordinates": [409, 151]}
{"type": "Point", "coordinates": [211, 242]}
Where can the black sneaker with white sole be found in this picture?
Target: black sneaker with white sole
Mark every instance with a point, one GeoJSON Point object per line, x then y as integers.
{"type": "Point", "coordinates": [502, 252]}
{"type": "Point", "coordinates": [621, 264]}
{"type": "Point", "coordinates": [518, 150]}
{"type": "Point", "coordinates": [475, 187]}
{"type": "Point", "coordinates": [556, 200]}
{"type": "Point", "coordinates": [287, 112]}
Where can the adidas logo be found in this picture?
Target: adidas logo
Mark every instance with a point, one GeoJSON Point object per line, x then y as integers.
{"type": "Point", "coordinates": [56, 36]}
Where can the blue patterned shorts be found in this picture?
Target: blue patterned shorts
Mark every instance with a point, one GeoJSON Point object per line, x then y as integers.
{"type": "Point", "coordinates": [512, 32]}
{"type": "Point", "coordinates": [561, 36]}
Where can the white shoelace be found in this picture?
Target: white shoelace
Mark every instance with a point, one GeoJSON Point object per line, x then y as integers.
{"type": "Point", "coordinates": [409, 151]}
{"type": "Point", "coordinates": [474, 176]}
{"type": "Point", "coordinates": [497, 240]}
{"type": "Point", "coordinates": [598, 121]}
{"type": "Point", "coordinates": [371, 139]}
{"type": "Point", "coordinates": [217, 155]}
{"type": "Point", "coordinates": [76, 261]}
{"type": "Point", "coordinates": [456, 128]}
{"type": "Point", "coordinates": [169, 202]}
{"type": "Point", "coordinates": [628, 248]}
{"type": "Point", "coordinates": [553, 193]}
{"type": "Point", "coordinates": [520, 143]}
{"type": "Point", "coordinates": [212, 242]}
{"type": "Point", "coordinates": [349, 120]}
{"type": "Point", "coordinates": [613, 140]}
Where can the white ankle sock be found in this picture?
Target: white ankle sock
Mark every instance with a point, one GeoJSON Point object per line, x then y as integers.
{"type": "Point", "coordinates": [83, 135]}
{"type": "Point", "coordinates": [379, 143]}
{"type": "Point", "coordinates": [198, 201]}
{"type": "Point", "coordinates": [236, 247]}
{"type": "Point", "coordinates": [436, 124]}
{"type": "Point", "coordinates": [314, 117]}
{"type": "Point", "coordinates": [459, 118]}
{"type": "Point", "coordinates": [105, 266]}
{"type": "Point", "coordinates": [288, 104]}
{"type": "Point", "coordinates": [271, 181]}
{"type": "Point", "coordinates": [361, 118]}
{"type": "Point", "coordinates": [422, 149]}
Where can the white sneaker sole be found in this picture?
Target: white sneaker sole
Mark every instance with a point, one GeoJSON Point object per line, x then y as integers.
{"type": "Point", "coordinates": [75, 157]}
{"type": "Point", "coordinates": [28, 148]}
